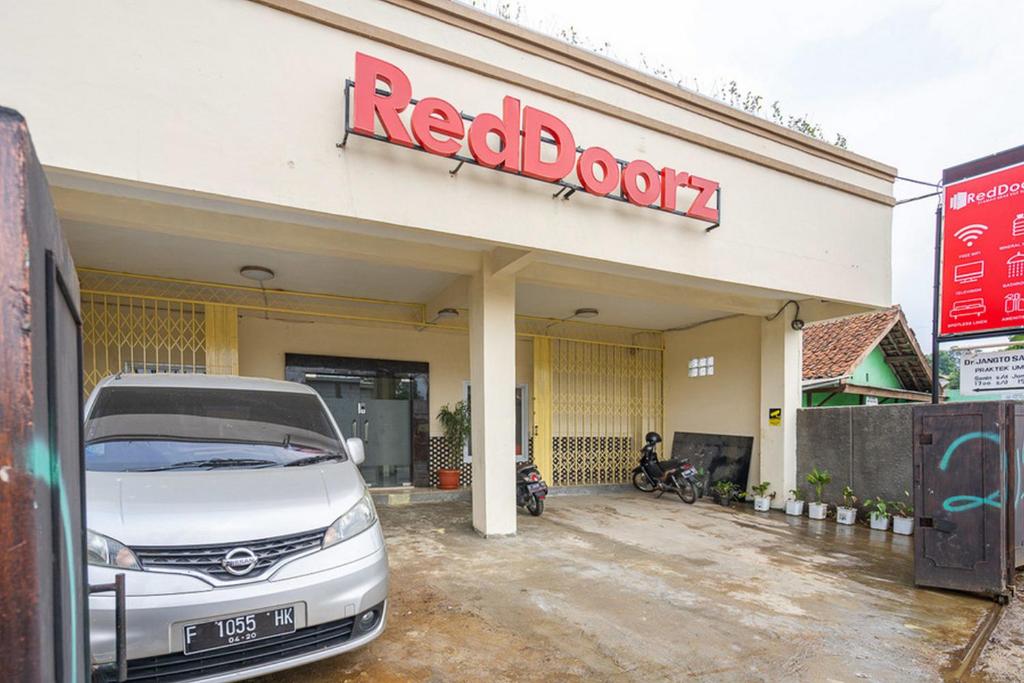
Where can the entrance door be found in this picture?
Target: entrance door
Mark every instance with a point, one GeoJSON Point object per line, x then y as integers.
{"type": "Point", "coordinates": [960, 495]}
{"type": "Point", "coordinates": [384, 403]}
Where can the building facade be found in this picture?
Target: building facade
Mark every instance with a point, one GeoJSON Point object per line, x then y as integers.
{"type": "Point", "coordinates": [243, 191]}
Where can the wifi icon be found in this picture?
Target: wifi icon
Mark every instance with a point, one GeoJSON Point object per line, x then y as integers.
{"type": "Point", "coordinates": [970, 233]}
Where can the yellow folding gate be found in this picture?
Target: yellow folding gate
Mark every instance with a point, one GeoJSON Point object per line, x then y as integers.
{"type": "Point", "coordinates": [132, 333]}
{"type": "Point", "coordinates": [593, 404]}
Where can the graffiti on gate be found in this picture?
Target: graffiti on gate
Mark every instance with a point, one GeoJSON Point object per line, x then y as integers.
{"type": "Point", "coordinates": [963, 502]}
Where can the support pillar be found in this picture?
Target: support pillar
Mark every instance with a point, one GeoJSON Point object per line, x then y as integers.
{"type": "Point", "coordinates": [781, 377]}
{"type": "Point", "coordinates": [492, 342]}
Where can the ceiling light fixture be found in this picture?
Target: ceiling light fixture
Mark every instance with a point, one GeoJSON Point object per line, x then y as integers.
{"type": "Point", "coordinates": [578, 314]}
{"type": "Point", "coordinates": [257, 273]}
{"type": "Point", "coordinates": [585, 313]}
{"type": "Point", "coordinates": [446, 314]}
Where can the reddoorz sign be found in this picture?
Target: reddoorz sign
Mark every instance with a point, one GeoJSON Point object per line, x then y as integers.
{"type": "Point", "coordinates": [437, 127]}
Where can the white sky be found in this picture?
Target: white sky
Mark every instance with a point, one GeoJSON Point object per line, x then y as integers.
{"type": "Point", "coordinates": [918, 84]}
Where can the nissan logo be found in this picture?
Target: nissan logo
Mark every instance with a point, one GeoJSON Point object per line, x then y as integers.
{"type": "Point", "coordinates": [239, 561]}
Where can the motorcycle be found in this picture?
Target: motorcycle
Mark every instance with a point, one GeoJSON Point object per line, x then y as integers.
{"type": "Point", "coordinates": [677, 476]}
{"type": "Point", "coordinates": [530, 489]}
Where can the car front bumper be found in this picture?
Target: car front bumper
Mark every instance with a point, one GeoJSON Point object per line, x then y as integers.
{"type": "Point", "coordinates": [154, 623]}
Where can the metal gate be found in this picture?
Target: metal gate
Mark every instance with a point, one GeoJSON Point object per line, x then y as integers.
{"type": "Point", "coordinates": [43, 621]}
{"type": "Point", "coordinates": [133, 333]}
{"type": "Point", "coordinates": [604, 397]}
{"type": "Point", "coordinates": [967, 495]}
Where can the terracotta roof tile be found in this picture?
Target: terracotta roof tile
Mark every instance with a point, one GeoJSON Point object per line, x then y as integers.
{"type": "Point", "coordinates": [832, 348]}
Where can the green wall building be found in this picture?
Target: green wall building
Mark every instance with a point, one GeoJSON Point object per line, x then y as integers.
{"type": "Point", "coordinates": [864, 359]}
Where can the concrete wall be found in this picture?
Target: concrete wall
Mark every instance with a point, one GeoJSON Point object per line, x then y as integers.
{"type": "Point", "coordinates": [867, 447]}
{"type": "Point", "coordinates": [695, 404]}
{"type": "Point", "coordinates": [262, 345]}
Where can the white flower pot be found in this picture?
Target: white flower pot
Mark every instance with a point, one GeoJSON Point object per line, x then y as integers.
{"type": "Point", "coordinates": [903, 525]}
{"type": "Point", "coordinates": [880, 522]}
{"type": "Point", "coordinates": [817, 510]}
{"type": "Point", "coordinates": [845, 515]}
{"type": "Point", "coordinates": [795, 507]}
{"type": "Point", "coordinates": [762, 503]}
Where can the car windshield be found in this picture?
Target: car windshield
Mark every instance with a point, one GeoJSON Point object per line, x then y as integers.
{"type": "Point", "coordinates": [144, 429]}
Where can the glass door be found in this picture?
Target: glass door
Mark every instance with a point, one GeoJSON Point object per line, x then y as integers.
{"type": "Point", "coordinates": [376, 403]}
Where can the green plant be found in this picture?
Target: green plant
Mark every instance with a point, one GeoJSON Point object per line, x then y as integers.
{"type": "Point", "coordinates": [879, 506]}
{"type": "Point", "coordinates": [456, 423]}
{"type": "Point", "coordinates": [819, 479]}
{"type": "Point", "coordinates": [903, 508]}
{"type": "Point", "coordinates": [797, 494]}
{"type": "Point", "coordinates": [726, 490]}
{"type": "Point", "coordinates": [849, 500]}
{"type": "Point", "coordinates": [761, 489]}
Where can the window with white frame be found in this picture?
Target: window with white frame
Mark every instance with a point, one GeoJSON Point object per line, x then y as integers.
{"type": "Point", "coordinates": [702, 367]}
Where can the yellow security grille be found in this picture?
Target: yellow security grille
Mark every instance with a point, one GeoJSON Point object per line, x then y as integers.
{"type": "Point", "coordinates": [123, 333]}
{"type": "Point", "coordinates": [127, 333]}
{"type": "Point", "coordinates": [604, 398]}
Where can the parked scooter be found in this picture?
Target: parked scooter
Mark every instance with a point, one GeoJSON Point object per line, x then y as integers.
{"type": "Point", "coordinates": [530, 489]}
{"type": "Point", "coordinates": [678, 476]}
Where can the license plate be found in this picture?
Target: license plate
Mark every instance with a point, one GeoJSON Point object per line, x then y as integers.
{"type": "Point", "coordinates": [533, 488]}
{"type": "Point", "coordinates": [689, 470]}
{"type": "Point", "coordinates": [244, 628]}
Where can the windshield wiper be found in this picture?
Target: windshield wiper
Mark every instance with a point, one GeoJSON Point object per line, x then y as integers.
{"type": "Point", "coordinates": [313, 459]}
{"type": "Point", "coordinates": [213, 463]}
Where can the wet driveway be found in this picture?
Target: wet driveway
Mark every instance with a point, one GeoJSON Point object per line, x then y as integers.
{"type": "Point", "coordinates": [629, 587]}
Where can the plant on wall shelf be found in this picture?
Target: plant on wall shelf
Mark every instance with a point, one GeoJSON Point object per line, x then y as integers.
{"type": "Point", "coordinates": [456, 424]}
{"type": "Point", "coordinates": [819, 479]}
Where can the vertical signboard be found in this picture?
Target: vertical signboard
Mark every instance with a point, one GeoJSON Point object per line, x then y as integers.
{"type": "Point", "coordinates": [982, 279]}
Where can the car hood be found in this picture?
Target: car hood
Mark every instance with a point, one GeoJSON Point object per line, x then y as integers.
{"type": "Point", "coordinates": [198, 507]}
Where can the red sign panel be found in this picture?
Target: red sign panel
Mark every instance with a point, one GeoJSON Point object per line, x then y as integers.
{"type": "Point", "coordinates": [983, 254]}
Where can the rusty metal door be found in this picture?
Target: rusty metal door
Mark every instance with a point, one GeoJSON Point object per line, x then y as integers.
{"type": "Point", "coordinates": [43, 605]}
{"type": "Point", "coordinates": [960, 493]}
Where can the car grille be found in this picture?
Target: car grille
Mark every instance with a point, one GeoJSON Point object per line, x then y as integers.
{"type": "Point", "coordinates": [182, 667]}
{"type": "Point", "coordinates": [207, 558]}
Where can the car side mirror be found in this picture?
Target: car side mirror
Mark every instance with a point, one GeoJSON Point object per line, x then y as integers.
{"type": "Point", "coordinates": [356, 450]}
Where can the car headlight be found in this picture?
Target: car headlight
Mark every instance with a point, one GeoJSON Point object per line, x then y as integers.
{"type": "Point", "coordinates": [107, 552]}
{"type": "Point", "coordinates": [358, 519]}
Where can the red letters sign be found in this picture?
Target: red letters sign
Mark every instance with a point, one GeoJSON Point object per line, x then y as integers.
{"type": "Point", "coordinates": [529, 142]}
{"type": "Point", "coordinates": [982, 286]}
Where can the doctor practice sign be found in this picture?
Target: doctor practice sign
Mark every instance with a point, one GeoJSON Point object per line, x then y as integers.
{"type": "Point", "coordinates": [992, 372]}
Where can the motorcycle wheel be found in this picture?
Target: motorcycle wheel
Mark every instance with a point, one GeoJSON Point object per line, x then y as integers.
{"type": "Point", "coordinates": [642, 482]}
{"type": "Point", "coordinates": [686, 491]}
{"type": "Point", "coordinates": [535, 506]}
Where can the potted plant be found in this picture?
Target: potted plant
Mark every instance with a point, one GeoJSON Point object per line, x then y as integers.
{"type": "Point", "coordinates": [455, 422]}
{"type": "Point", "coordinates": [762, 499]}
{"type": "Point", "coordinates": [903, 516]}
{"type": "Point", "coordinates": [879, 513]}
{"type": "Point", "coordinates": [724, 492]}
{"type": "Point", "coordinates": [847, 512]}
{"type": "Point", "coordinates": [795, 502]}
{"type": "Point", "coordinates": [818, 479]}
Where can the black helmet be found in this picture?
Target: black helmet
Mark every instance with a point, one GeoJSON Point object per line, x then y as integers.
{"type": "Point", "coordinates": [653, 438]}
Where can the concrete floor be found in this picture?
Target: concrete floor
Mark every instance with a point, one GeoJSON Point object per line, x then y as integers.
{"type": "Point", "coordinates": [629, 587]}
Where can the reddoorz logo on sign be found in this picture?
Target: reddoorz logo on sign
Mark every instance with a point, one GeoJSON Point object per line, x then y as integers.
{"type": "Point", "coordinates": [438, 127]}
